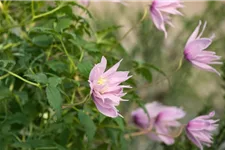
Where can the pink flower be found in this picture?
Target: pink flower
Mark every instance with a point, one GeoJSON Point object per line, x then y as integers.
{"type": "Point", "coordinates": [162, 118]}
{"type": "Point", "coordinates": [199, 130]}
{"type": "Point", "coordinates": [160, 11]}
{"type": "Point", "coordinates": [195, 52]}
{"type": "Point", "coordinates": [106, 90]}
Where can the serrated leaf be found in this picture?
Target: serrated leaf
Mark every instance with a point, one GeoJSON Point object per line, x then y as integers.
{"type": "Point", "coordinates": [63, 23]}
{"type": "Point", "coordinates": [54, 98]}
{"type": "Point", "coordinates": [88, 124]}
{"type": "Point", "coordinates": [85, 68]}
{"type": "Point", "coordinates": [144, 72]}
{"type": "Point", "coordinates": [57, 66]}
{"type": "Point", "coordinates": [54, 81]}
{"type": "Point", "coordinates": [40, 77]}
{"type": "Point", "coordinates": [5, 63]}
{"type": "Point", "coordinates": [42, 40]}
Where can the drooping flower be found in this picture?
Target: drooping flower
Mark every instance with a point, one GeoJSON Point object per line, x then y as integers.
{"type": "Point", "coordinates": [160, 11]}
{"type": "Point", "coordinates": [195, 51]}
{"type": "Point", "coordinates": [106, 90]}
{"type": "Point", "coordinates": [162, 118]}
{"type": "Point", "coordinates": [199, 130]}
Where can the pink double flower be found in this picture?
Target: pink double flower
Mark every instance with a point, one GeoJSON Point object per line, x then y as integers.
{"type": "Point", "coordinates": [162, 119]}
{"type": "Point", "coordinates": [161, 10]}
{"type": "Point", "coordinates": [196, 53]}
{"type": "Point", "coordinates": [106, 90]}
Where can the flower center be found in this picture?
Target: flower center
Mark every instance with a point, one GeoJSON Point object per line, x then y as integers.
{"type": "Point", "coordinates": [101, 81]}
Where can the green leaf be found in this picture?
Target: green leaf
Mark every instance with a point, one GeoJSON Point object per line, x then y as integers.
{"type": "Point", "coordinates": [42, 40]}
{"type": "Point", "coordinates": [89, 46]}
{"type": "Point", "coordinates": [88, 124]}
{"type": "Point", "coordinates": [57, 66]}
{"type": "Point", "coordinates": [120, 122]}
{"type": "Point", "coordinates": [144, 72]}
{"type": "Point", "coordinates": [40, 77]}
{"type": "Point", "coordinates": [85, 68]}
{"type": "Point", "coordinates": [63, 23]}
{"type": "Point", "coordinates": [54, 98]}
{"type": "Point", "coordinates": [5, 63]}
{"type": "Point", "coordinates": [54, 81]}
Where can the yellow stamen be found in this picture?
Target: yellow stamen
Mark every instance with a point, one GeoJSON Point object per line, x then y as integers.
{"type": "Point", "coordinates": [101, 81]}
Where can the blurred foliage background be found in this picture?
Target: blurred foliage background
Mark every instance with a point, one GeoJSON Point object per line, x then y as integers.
{"type": "Point", "coordinates": [47, 50]}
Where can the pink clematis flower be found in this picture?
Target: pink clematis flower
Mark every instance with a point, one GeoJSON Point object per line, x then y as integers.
{"type": "Point", "coordinates": [199, 130]}
{"type": "Point", "coordinates": [160, 11]}
{"type": "Point", "coordinates": [195, 52]}
{"type": "Point", "coordinates": [106, 90]}
{"type": "Point", "coordinates": [162, 118]}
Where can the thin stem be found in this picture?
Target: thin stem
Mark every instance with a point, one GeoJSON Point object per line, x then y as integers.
{"type": "Point", "coordinates": [133, 27]}
{"type": "Point", "coordinates": [4, 76]}
{"type": "Point", "coordinates": [48, 13]}
{"type": "Point", "coordinates": [21, 78]}
{"type": "Point", "coordinates": [75, 104]}
{"type": "Point", "coordinates": [67, 54]}
{"type": "Point", "coordinates": [149, 130]}
{"type": "Point", "coordinates": [140, 21]}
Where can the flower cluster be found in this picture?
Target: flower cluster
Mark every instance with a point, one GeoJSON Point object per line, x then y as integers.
{"type": "Point", "coordinates": [106, 90]}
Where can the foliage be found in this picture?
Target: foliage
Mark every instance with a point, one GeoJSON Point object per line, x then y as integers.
{"type": "Point", "coordinates": [47, 50]}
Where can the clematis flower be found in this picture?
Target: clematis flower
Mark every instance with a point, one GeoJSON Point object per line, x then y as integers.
{"type": "Point", "coordinates": [106, 90]}
{"type": "Point", "coordinates": [199, 130]}
{"type": "Point", "coordinates": [160, 11]}
{"type": "Point", "coordinates": [162, 118]}
{"type": "Point", "coordinates": [195, 51]}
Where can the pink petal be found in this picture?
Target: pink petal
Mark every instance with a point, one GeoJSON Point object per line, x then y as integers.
{"type": "Point", "coordinates": [205, 67]}
{"type": "Point", "coordinates": [158, 20]}
{"type": "Point", "coordinates": [197, 125]}
{"type": "Point", "coordinates": [194, 34]}
{"type": "Point", "coordinates": [196, 46]}
{"type": "Point", "coordinates": [193, 139]}
{"type": "Point", "coordinates": [170, 10]}
{"type": "Point", "coordinates": [163, 130]}
{"type": "Point", "coordinates": [98, 69]}
{"type": "Point", "coordinates": [140, 118]}
{"type": "Point", "coordinates": [107, 111]}
{"type": "Point", "coordinates": [170, 114]}
{"type": "Point", "coordinates": [112, 69]}
{"type": "Point", "coordinates": [154, 109]}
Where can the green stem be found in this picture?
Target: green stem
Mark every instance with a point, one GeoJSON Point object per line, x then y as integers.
{"type": "Point", "coordinates": [71, 105]}
{"type": "Point", "coordinates": [133, 27]}
{"type": "Point", "coordinates": [49, 12]}
{"type": "Point", "coordinates": [4, 76]}
{"type": "Point", "coordinates": [67, 54]}
{"type": "Point", "coordinates": [21, 78]}
{"type": "Point", "coordinates": [32, 9]}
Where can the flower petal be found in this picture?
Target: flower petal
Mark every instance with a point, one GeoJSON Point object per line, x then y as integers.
{"type": "Point", "coordinates": [196, 46]}
{"type": "Point", "coordinates": [193, 139]}
{"type": "Point", "coordinates": [158, 20]}
{"type": "Point", "coordinates": [205, 67]}
{"type": "Point", "coordinates": [98, 69]}
{"type": "Point", "coordinates": [194, 34]}
{"type": "Point", "coordinates": [107, 111]}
